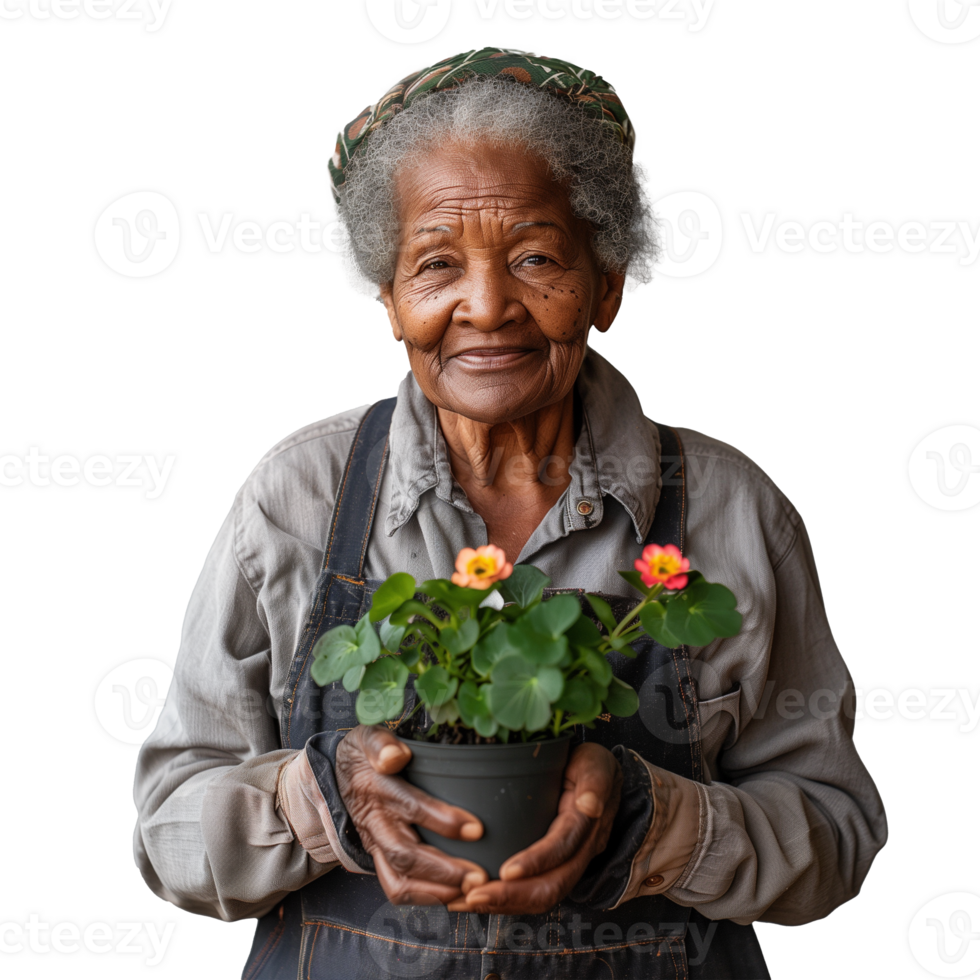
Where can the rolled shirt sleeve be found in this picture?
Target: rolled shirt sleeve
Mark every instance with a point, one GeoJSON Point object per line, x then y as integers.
{"type": "Point", "coordinates": [212, 834]}
{"type": "Point", "coordinates": [788, 829]}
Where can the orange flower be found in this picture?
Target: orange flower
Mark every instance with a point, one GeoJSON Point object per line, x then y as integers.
{"type": "Point", "coordinates": [479, 568]}
{"type": "Point", "coordinates": [663, 566]}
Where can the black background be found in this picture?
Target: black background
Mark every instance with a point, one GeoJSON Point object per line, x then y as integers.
{"type": "Point", "coordinates": [827, 369]}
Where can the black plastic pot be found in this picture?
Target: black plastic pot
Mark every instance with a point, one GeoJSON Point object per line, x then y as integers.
{"type": "Point", "coordinates": [512, 788]}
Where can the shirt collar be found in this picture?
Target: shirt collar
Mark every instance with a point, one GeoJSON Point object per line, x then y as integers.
{"type": "Point", "coordinates": [617, 453]}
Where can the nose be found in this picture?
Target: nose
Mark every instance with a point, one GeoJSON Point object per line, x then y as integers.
{"type": "Point", "coordinates": [488, 299]}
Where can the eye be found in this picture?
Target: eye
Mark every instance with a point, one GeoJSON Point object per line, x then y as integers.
{"type": "Point", "coordinates": [536, 260]}
{"type": "Point", "coordinates": [438, 264]}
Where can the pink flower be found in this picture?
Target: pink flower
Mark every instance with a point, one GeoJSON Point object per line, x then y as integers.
{"type": "Point", "coordinates": [663, 566]}
{"type": "Point", "coordinates": [479, 568]}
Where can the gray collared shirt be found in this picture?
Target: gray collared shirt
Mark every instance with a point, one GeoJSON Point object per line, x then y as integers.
{"type": "Point", "coordinates": [790, 820]}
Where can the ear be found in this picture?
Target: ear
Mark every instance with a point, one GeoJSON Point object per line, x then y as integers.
{"type": "Point", "coordinates": [611, 285]}
{"type": "Point", "coordinates": [387, 297]}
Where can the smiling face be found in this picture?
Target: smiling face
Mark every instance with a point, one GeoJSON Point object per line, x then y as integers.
{"type": "Point", "coordinates": [495, 285]}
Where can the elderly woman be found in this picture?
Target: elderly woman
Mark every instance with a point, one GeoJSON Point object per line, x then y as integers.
{"type": "Point", "coordinates": [492, 201]}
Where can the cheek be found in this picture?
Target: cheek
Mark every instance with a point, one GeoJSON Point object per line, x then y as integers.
{"type": "Point", "coordinates": [563, 313]}
{"type": "Point", "coordinates": [424, 316]}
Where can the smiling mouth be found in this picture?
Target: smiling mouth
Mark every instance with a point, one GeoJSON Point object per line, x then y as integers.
{"type": "Point", "coordinates": [492, 358]}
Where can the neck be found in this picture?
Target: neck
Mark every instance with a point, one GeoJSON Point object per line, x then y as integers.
{"type": "Point", "coordinates": [526, 455]}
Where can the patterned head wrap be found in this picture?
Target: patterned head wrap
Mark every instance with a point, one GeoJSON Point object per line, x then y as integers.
{"type": "Point", "coordinates": [582, 87]}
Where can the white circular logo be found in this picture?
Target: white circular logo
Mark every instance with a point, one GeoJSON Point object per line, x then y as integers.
{"type": "Point", "coordinates": [130, 698]}
{"type": "Point", "coordinates": [139, 234]}
{"type": "Point", "coordinates": [690, 225]}
{"type": "Point", "coordinates": [947, 21]}
{"type": "Point", "coordinates": [408, 21]}
{"type": "Point", "coordinates": [945, 935]}
{"type": "Point", "coordinates": [945, 468]}
{"type": "Point", "coordinates": [412, 935]}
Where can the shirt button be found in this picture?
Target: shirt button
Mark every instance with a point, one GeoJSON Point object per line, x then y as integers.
{"type": "Point", "coordinates": [492, 976]}
{"type": "Point", "coordinates": [584, 507]}
{"type": "Point", "coordinates": [653, 881]}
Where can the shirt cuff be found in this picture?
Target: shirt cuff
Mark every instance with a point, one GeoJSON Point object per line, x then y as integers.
{"type": "Point", "coordinates": [304, 809]}
{"type": "Point", "coordinates": [675, 837]}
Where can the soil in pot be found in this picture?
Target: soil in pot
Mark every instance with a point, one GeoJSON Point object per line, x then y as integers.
{"type": "Point", "coordinates": [513, 788]}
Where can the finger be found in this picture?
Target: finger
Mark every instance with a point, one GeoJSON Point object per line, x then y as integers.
{"type": "Point", "coordinates": [564, 839]}
{"type": "Point", "coordinates": [404, 890]}
{"type": "Point", "coordinates": [413, 805]}
{"type": "Point", "coordinates": [386, 753]}
{"type": "Point", "coordinates": [529, 896]}
{"type": "Point", "coordinates": [406, 856]}
{"type": "Point", "coordinates": [593, 772]}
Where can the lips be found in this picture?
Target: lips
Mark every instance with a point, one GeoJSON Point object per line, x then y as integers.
{"type": "Point", "coordinates": [491, 358]}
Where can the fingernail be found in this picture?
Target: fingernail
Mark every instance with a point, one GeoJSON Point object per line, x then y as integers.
{"type": "Point", "coordinates": [511, 871]}
{"type": "Point", "coordinates": [472, 880]}
{"type": "Point", "coordinates": [477, 898]}
{"type": "Point", "coordinates": [471, 831]}
{"type": "Point", "coordinates": [390, 753]}
{"type": "Point", "coordinates": [589, 804]}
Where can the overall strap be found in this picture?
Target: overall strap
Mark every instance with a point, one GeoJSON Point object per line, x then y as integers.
{"type": "Point", "coordinates": [669, 517]}
{"type": "Point", "coordinates": [357, 499]}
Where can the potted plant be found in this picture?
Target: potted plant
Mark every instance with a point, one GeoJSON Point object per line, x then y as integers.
{"type": "Point", "coordinates": [504, 675]}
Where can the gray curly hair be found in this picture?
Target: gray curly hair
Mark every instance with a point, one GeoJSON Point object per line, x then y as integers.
{"type": "Point", "coordinates": [603, 183]}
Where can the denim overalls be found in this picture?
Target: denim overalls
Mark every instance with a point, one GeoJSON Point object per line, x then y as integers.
{"type": "Point", "coordinates": [342, 926]}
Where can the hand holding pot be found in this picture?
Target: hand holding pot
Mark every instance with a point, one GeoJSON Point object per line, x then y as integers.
{"type": "Point", "coordinates": [537, 878]}
{"type": "Point", "coordinates": [384, 806]}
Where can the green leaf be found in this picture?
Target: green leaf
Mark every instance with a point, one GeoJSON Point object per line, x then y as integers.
{"type": "Point", "coordinates": [524, 585]}
{"type": "Point", "coordinates": [537, 649]}
{"type": "Point", "coordinates": [368, 640]}
{"type": "Point", "coordinates": [336, 652]}
{"type": "Point", "coordinates": [581, 699]}
{"type": "Point", "coordinates": [603, 611]}
{"type": "Point", "coordinates": [392, 592]}
{"type": "Point", "coordinates": [494, 645]}
{"type": "Point", "coordinates": [583, 633]}
{"type": "Point", "coordinates": [448, 713]}
{"type": "Point", "coordinates": [520, 693]}
{"type": "Point", "coordinates": [555, 615]}
{"type": "Point", "coordinates": [452, 597]}
{"type": "Point", "coordinates": [652, 619]}
{"type": "Point", "coordinates": [392, 636]}
{"type": "Point", "coordinates": [382, 691]}
{"type": "Point", "coordinates": [474, 710]}
{"type": "Point", "coordinates": [635, 579]}
{"type": "Point", "coordinates": [598, 667]}
{"type": "Point", "coordinates": [411, 655]}
{"type": "Point", "coordinates": [621, 700]}
{"type": "Point", "coordinates": [703, 612]}
{"type": "Point", "coordinates": [487, 727]}
{"type": "Point", "coordinates": [412, 607]}
{"type": "Point", "coordinates": [435, 686]}
{"type": "Point", "coordinates": [352, 679]}
{"type": "Point", "coordinates": [622, 645]}
{"type": "Point", "coordinates": [460, 640]}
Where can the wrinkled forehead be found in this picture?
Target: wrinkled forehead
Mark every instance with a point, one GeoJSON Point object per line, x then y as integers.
{"type": "Point", "coordinates": [458, 181]}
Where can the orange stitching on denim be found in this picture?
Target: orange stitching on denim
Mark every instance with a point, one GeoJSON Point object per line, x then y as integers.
{"type": "Point", "coordinates": [309, 965]}
{"type": "Point", "coordinates": [347, 578]}
{"type": "Point", "coordinates": [485, 952]}
{"type": "Point", "coordinates": [261, 957]}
